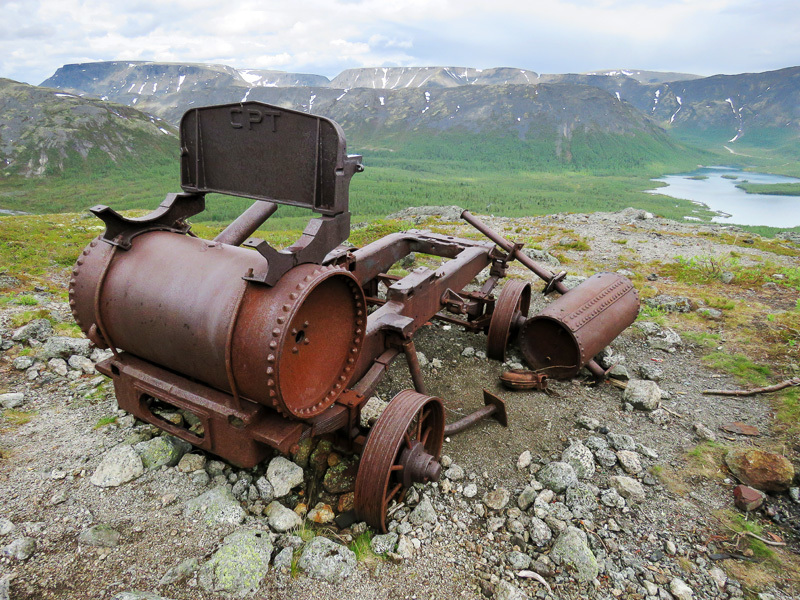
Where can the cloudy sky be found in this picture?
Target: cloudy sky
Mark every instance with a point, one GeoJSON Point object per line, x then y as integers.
{"type": "Point", "coordinates": [326, 36]}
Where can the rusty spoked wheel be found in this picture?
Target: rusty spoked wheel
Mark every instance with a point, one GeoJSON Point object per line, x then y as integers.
{"type": "Point", "coordinates": [404, 447]}
{"type": "Point", "coordinates": [510, 312]}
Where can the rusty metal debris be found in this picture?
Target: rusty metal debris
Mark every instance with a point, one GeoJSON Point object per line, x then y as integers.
{"type": "Point", "coordinates": [267, 347]}
{"type": "Point", "coordinates": [523, 379]}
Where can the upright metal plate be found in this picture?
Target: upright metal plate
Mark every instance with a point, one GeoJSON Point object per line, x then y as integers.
{"type": "Point", "coordinates": [265, 152]}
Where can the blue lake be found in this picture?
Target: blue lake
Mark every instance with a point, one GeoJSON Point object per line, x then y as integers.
{"type": "Point", "coordinates": [734, 205]}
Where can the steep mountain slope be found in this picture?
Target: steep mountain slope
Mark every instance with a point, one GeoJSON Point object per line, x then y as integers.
{"type": "Point", "coordinates": [393, 78]}
{"type": "Point", "coordinates": [45, 132]}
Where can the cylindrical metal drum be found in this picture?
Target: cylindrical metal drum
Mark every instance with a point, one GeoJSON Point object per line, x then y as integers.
{"type": "Point", "coordinates": [573, 329]}
{"type": "Point", "coordinates": [182, 303]}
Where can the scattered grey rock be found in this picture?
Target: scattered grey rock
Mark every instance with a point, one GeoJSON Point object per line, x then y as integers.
{"type": "Point", "coordinates": [541, 257]}
{"type": "Point", "coordinates": [680, 590]}
{"type": "Point", "coordinates": [468, 352]}
{"type": "Point", "coordinates": [12, 400]}
{"type": "Point", "coordinates": [23, 363]}
{"type": "Point", "coordinates": [58, 366]}
{"type": "Point", "coordinates": [265, 489]}
{"type": "Point", "coordinates": [581, 495]}
{"type": "Point", "coordinates": [239, 565]}
{"type": "Point", "coordinates": [470, 490]}
{"type": "Point", "coordinates": [283, 559]}
{"type": "Point", "coordinates": [666, 340]}
{"type": "Point", "coordinates": [217, 505]}
{"type": "Point", "coordinates": [21, 548]}
{"type": "Point", "coordinates": [580, 458]}
{"type": "Point", "coordinates": [587, 422]}
{"type": "Point", "coordinates": [381, 544]}
{"type": "Point", "coordinates": [496, 499]}
{"type": "Point", "coordinates": [508, 591]}
{"type": "Point", "coordinates": [670, 548]}
{"type": "Point", "coordinates": [719, 577]}
{"type": "Point", "coordinates": [100, 535]}
{"type": "Point", "coordinates": [422, 513]}
{"type": "Point", "coordinates": [373, 409]}
{"type": "Point", "coordinates": [405, 548]}
{"type": "Point", "coordinates": [518, 560]}
{"type": "Point", "coordinates": [135, 595]}
{"type": "Point", "coordinates": [680, 304]}
{"type": "Point", "coordinates": [325, 559]}
{"type": "Point", "coordinates": [180, 572]}
{"type": "Point", "coordinates": [572, 550]}
{"type": "Point", "coordinates": [606, 457]}
{"type": "Point", "coordinates": [643, 394]}
{"type": "Point", "coordinates": [612, 499]}
{"type": "Point", "coordinates": [81, 363]}
{"type": "Point", "coordinates": [64, 347]}
{"type": "Point", "coordinates": [454, 473]}
{"type": "Point", "coordinates": [189, 463]}
{"type": "Point", "coordinates": [646, 451]}
{"type": "Point", "coordinates": [540, 533]}
{"type": "Point", "coordinates": [557, 476]}
{"type": "Point", "coordinates": [712, 314]}
{"type": "Point", "coordinates": [526, 498]}
{"type": "Point", "coordinates": [160, 451]}
{"type": "Point", "coordinates": [595, 443]}
{"type": "Point", "coordinates": [628, 488]}
{"type": "Point", "coordinates": [659, 416]}
{"type": "Point", "coordinates": [619, 372]}
{"type": "Point", "coordinates": [284, 475]}
{"type": "Point", "coordinates": [704, 433]}
{"type": "Point", "coordinates": [650, 372]}
{"type": "Point", "coordinates": [524, 460]}
{"type": "Point", "coordinates": [629, 461]}
{"type": "Point", "coordinates": [280, 518]}
{"type": "Point", "coordinates": [5, 587]}
{"type": "Point", "coordinates": [38, 329]}
{"type": "Point", "coordinates": [120, 465]}
{"type": "Point", "coordinates": [621, 441]}
{"type": "Point", "coordinates": [6, 526]}
{"type": "Point", "coordinates": [648, 327]}
{"type": "Point", "coordinates": [794, 494]}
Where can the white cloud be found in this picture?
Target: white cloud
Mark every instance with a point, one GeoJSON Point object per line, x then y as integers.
{"type": "Point", "coordinates": [326, 36]}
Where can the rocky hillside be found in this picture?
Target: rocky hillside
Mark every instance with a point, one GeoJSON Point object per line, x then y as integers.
{"type": "Point", "coordinates": [738, 105]}
{"type": "Point", "coordinates": [592, 491]}
{"type": "Point", "coordinates": [46, 131]}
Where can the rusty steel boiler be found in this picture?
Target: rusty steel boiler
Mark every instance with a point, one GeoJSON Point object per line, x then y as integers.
{"type": "Point", "coordinates": [181, 302]}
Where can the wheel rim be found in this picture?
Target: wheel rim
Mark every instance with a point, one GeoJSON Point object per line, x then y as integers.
{"type": "Point", "coordinates": [403, 447]}
{"type": "Point", "coordinates": [514, 301]}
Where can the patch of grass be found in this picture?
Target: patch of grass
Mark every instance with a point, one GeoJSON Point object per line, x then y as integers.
{"type": "Point", "coordinates": [731, 177]}
{"type": "Point", "coordinates": [670, 479]}
{"type": "Point", "coordinates": [620, 242]}
{"type": "Point", "coordinates": [698, 177]}
{"type": "Point", "coordinates": [739, 523]}
{"type": "Point", "coordinates": [773, 189]}
{"type": "Point", "coordinates": [703, 339]}
{"type": "Point", "coordinates": [103, 421]}
{"type": "Point", "coordinates": [788, 410]}
{"type": "Point", "coordinates": [17, 418]}
{"type": "Point", "coordinates": [23, 318]}
{"type": "Point", "coordinates": [652, 313]}
{"type": "Point", "coordinates": [26, 300]}
{"type": "Point", "coordinates": [719, 302]}
{"type": "Point", "coordinates": [574, 244]}
{"type": "Point", "coordinates": [741, 367]}
{"type": "Point", "coordinates": [362, 549]}
{"type": "Point", "coordinates": [705, 460]}
{"type": "Point", "coordinates": [68, 329]}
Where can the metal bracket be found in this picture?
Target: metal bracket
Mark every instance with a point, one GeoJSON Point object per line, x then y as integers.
{"type": "Point", "coordinates": [553, 282]}
{"type": "Point", "coordinates": [320, 236]}
{"type": "Point", "coordinates": [170, 215]}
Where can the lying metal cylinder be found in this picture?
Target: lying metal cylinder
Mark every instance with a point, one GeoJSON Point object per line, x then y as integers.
{"type": "Point", "coordinates": [182, 303]}
{"type": "Point", "coordinates": [573, 329]}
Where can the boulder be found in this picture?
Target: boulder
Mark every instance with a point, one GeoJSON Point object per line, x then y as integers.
{"type": "Point", "coordinates": [325, 559]}
{"type": "Point", "coordinates": [422, 513]}
{"type": "Point", "coordinates": [280, 518]}
{"type": "Point", "coordinates": [580, 458]}
{"type": "Point", "coordinates": [39, 330]}
{"type": "Point", "coordinates": [643, 394]}
{"type": "Point", "coordinates": [571, 550]}
{"type": "Point", "coordinates": [341, 477]}
{"type": "Point", "coordinates": [64, 347]}
{"type": "Point", "coordinates": [12, 400]}
{"type": "Point", "coordinates": [101, 535]}
{"type": "Point", "coordinates": [284, 475]}
{"type": "Point", "coordinates": [120, 465]}
{"type": "Point", "coordinates": [557, 476]}
{"type": "Point", "coordinates": [239, 565]}
{"type": "Point", "coordinates": [762, 470]}
{"type": "Point", "coordinates": [746, 498]}
{"type": "Point", "coordinates": [628, 488]}
{"type": "Point", "coordinates": [162, 450]}
{"type": "Point", "coordinates": [215, 506]}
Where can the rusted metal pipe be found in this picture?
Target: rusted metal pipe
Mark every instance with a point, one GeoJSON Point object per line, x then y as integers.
{"type": "Point", "coordinates": [508, 246]}
{"type": "Point", "coordinates": [495, 406]}
{"type": "Point", "coordinates": [247, 223]}
{"type": "Point", "coordinates": [413, 366]}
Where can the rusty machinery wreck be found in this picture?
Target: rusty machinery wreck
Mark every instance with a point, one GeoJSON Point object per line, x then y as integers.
{"type": "Point", "coordinates": [267, 347]}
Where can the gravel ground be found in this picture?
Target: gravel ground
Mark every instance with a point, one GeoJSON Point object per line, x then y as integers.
{"type": "Point", "coordinates": [47, 463]}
